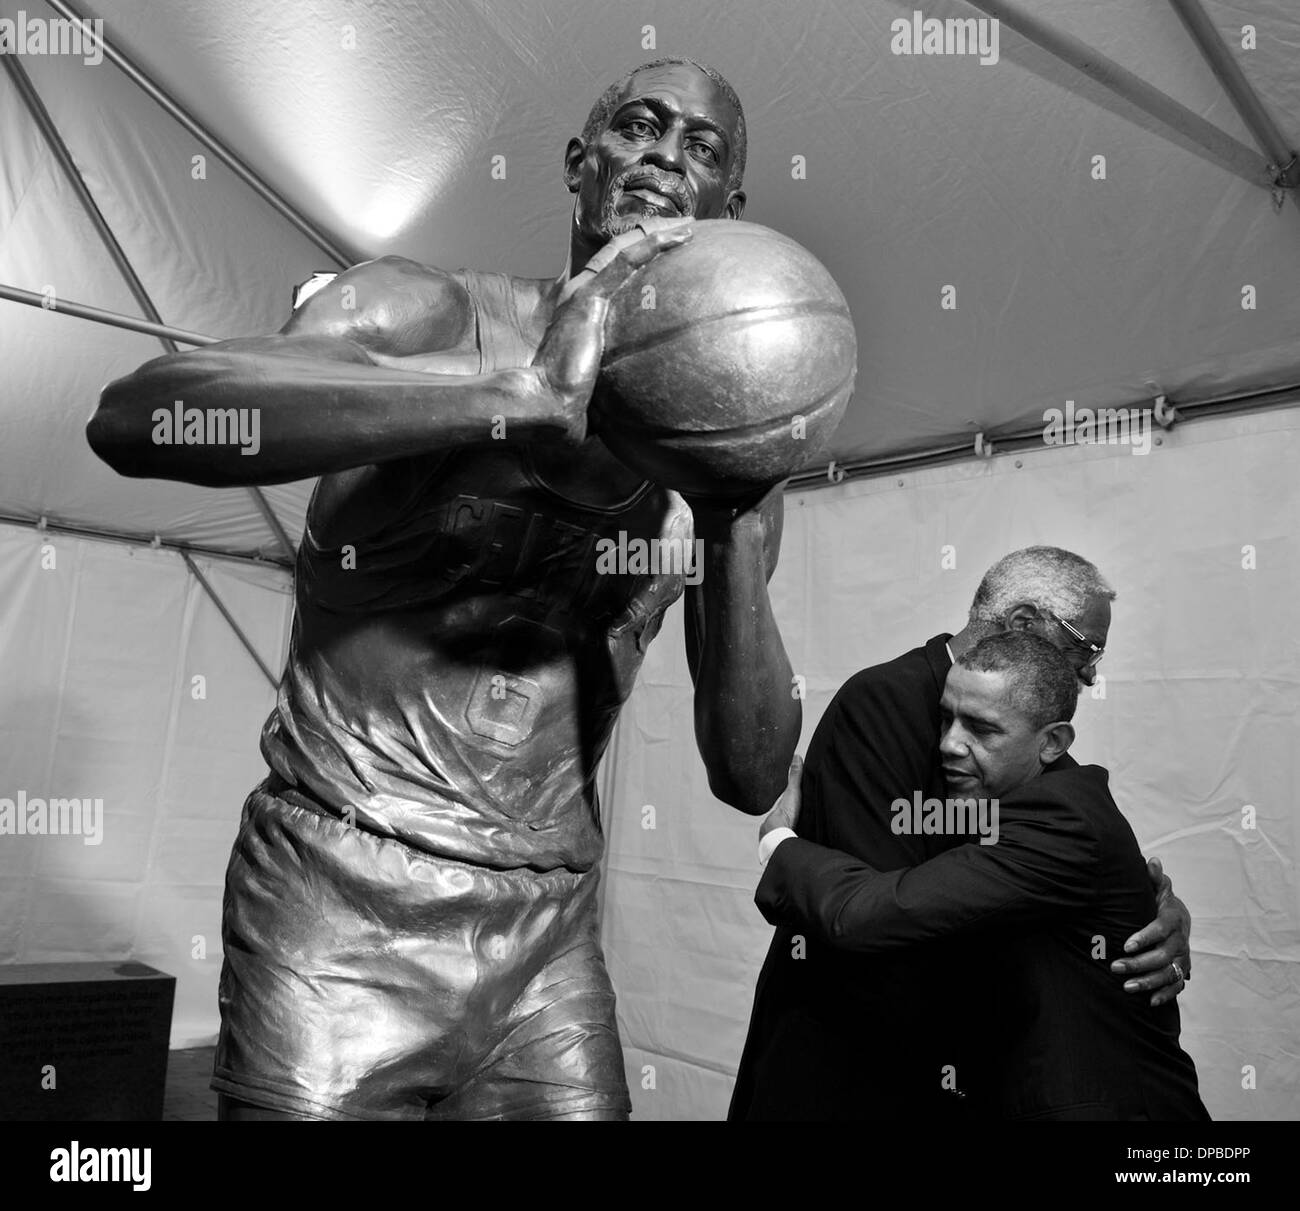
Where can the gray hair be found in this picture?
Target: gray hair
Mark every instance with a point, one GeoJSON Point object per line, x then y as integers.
{"type": "Point", "coordinates": [1040, 682]}
{"type": "Point", "coordinates": [1051, 579]}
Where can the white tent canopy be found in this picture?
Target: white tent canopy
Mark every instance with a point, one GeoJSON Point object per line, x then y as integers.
{"type": "Point", "coordinates": [379, 125]}
{"type": "Point", "coordinates": [1108, 238]}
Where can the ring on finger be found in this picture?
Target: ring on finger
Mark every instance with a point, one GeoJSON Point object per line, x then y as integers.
{"type": "Point", "coordinates": [1178, 971]}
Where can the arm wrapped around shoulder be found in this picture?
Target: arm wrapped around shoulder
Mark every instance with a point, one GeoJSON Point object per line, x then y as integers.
{"type": "Point", "coordinates": [1043, 861]}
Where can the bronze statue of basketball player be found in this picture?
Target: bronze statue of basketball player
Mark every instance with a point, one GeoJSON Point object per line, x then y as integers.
{"type": "Point", "coordinates": [410, 920]}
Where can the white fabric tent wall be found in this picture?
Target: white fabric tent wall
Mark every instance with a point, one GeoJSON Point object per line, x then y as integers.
{"type": "Point", "coordinates": [1202, 695]}
{"type": "Point", "coordinates": [99, 644]}
{"type": "Point", "coordinates": [1203, 686]}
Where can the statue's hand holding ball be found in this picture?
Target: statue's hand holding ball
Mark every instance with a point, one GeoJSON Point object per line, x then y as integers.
{"type": "Point", "coordinates": [724, 364]}
{"type": "Point", "coordinates": [570, 352]}
{"type": "Point", "coordinates": [728, 362]}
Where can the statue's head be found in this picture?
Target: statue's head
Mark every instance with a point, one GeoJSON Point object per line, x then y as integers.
{"type": "Point", "coordinates": [667, 140]}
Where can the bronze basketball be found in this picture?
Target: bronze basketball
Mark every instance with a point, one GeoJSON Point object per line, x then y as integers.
{"type": "Point", "coordinates": [728, 363]}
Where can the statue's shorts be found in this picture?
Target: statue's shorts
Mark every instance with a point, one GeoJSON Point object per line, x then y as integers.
{"type": "Point", "coordinates": [364, 979]}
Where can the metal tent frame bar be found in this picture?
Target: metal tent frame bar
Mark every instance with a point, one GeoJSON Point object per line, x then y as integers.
{"type": "Point", "coordinates": [230, 618]}
{"type": "Point", "coordinates": [1278, 168]}
{"type": "Point", "coordinates": [54, 140]}
{"type": "Point", "coordinates": [1283, 161]}
{"type": "Point", "coordinates": [126, 538]}
{"type": "Point", "coordinates": [186, 551]}
{"type": "Point", "coordinates": [98, 315]}
{"type": "Point", "coordinates": [213, 144]}
{"type": "Point", "coordinates": [59, 149]}
{"type": "Point", "coordinates": [1027, 441]}
{"type": "Point", "coordinates": [1231, 153]}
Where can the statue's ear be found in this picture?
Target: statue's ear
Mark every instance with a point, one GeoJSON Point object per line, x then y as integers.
{"type": "Point", "coordinates": [573, 155]}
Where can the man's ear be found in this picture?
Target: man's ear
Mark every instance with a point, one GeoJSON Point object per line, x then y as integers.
{"type": "Point", "coordinates": [573, 155]}
{"type": "Point", "coordinates": [1021, 616]}
{"type": "Point", "coordinates": [1055, 740]}
{"type": "Point", "coordinates": [735, 206]}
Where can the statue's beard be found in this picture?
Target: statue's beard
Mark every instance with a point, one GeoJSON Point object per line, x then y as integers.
{"type": "Point", "coordinates": [612, 223]}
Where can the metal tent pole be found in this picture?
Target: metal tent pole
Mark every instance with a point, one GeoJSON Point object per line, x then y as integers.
{"type": "Point", "coordinates": [1285, 162]}
{"type": "Point", "coordinates": [59, 149]}
{"type": "Point", "coordinates": [1026, 441]}
{"type": "Point", "coordinates": [274, 523]}
{"type": "Point", "coordinates": [97, 315]}
{"type": "Point", "coordinates": [230, 618]}
{"type": "Point", "coordinates": [219, 149]}
{"type": "Point", "coordinates": [99, 534]}
{"type": "Point", "coordinates": [1244, 161]}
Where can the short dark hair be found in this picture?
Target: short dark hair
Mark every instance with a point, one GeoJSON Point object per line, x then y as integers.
{"type": "Point", "coordinates": [608, 100]}
{"type": "Point", "coordinates": [1043, 686]}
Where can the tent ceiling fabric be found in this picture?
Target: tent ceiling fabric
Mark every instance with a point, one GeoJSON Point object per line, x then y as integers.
{"type": "Point", "coordinates": [921, 172]}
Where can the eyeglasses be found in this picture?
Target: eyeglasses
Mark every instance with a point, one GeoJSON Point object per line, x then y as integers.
{"type": "Point", "coordinates": [1083, 640]}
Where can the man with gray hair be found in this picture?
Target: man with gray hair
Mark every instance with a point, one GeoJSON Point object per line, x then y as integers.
{"type": "Point", "coordinates": [1040, 911]}
{"type": "Point", "coordinates": [835, 1035]}
{"type": "Point", "coordinates": [1040, 589]}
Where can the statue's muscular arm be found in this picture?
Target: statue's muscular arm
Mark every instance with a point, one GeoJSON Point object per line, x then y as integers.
{"type": "Point", "coordinates": [343, 386]}
{"type": "Point", "coordinates": [747, 717]}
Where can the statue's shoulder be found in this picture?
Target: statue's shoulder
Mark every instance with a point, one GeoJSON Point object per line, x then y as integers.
{"type": "Point", "coordinates": [392, 305]}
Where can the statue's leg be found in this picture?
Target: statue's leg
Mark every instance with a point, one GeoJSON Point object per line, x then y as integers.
{"type": "Point", "coordinates": [328, 1006]}
{"type": "Point", "coordinates": [557, 1053]}
{"type": "Point", "coordinates": [366, 980]}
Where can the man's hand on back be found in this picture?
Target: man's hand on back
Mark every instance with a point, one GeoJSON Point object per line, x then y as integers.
{"type": "Point", "coordinates": [1159, 957]}
{"type": "Point", "coordinates": [785, 812]}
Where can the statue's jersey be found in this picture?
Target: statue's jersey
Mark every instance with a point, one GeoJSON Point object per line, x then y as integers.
{"type": "Point", "coordinates": [458, 662]}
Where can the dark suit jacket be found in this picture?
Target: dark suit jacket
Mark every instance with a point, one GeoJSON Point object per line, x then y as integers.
{"type": "Point", "coordinates": [842, 1036]}
{"type": "Point", "coordinates": [1046, 910]}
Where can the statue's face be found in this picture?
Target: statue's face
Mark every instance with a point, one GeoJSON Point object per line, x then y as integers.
{"type": "Point", "coordinates": [666, 151]}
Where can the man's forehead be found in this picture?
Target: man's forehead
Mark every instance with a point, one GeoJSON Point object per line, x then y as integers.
{"type": "Point", "coordinates": [682, 86]}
